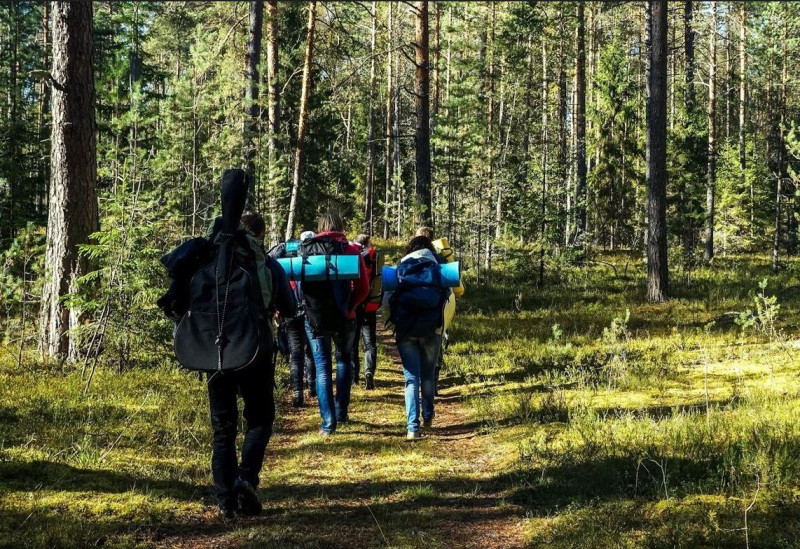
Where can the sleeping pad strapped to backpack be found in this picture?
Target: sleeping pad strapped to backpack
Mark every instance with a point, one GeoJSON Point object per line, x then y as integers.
{"type": "Point", "coordinates": [326, 302]}
{"type": "Point", "coordinates": [225, 327]}
{"type": "Point", "coordinates": [418, 302]}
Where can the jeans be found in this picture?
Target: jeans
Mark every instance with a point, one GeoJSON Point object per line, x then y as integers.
{"type": "Point", "coordinates": [300, 359]}
{"type": "Point", "coordinates": [333, 410]}
{"type": "Point", "coordinates": [367, 330]}
{"type": "Point", "coordinates": [419, 356]}
{"type": "Point", "coordinates": [255, 384]}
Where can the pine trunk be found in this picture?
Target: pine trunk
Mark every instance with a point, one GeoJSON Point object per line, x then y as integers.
{"type": "Point", "coordinates": [303, 123]}
{"type": "Point", "coordinates": [370, 187]}
{"type": "Point", "coordinates": [711, 174]}
{"type": "Point", "coordinates": [422, 107]}
{"type": "Point", "coordinates": [388, 163]}
{"type": "Point", "coordinates": [274, 115]}
{"type": "Point", "coordinates": [73, 212]}
{"type": "Point", "coordinates": [580, 130]}
{"type": "Point", "coordinates": [251, 107]}
{"type": "Point", "coordinates": [657, 269]}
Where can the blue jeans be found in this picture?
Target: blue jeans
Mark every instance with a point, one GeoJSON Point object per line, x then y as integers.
{"type": "Point", "coordinates": [419, 356]}
{"type": "Point", "coordinates": [333, 410]}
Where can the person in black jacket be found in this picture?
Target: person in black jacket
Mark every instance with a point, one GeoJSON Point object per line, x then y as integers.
{"type": "Point", "coordinates": [235, 482]}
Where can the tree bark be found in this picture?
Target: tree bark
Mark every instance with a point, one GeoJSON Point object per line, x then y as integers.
{"type": "Point", "coordinates": [73, 212]}
{"type": "Point", "coordinates": [781, 156]}
{"type": "Point", "coordinates": [743, 111]}
{"type": "Point", "coordinates": [545, 160]}
{"type": "Point", "coordinates": [389, 165]}
{"type": "Point", "coordinates": [274, 114]}
{"type": "Point", "coordinates": [580, 130]}
{"type": "Point", "coordinates": [301, 126]}
{"type": "Point", "coordinates": [422, 106]}
{"type": "Point", "coordinates": [708, 253]}
{"type": "Point", "coordinates": [370, 183]}
{"type": "Point", "coordinates": [657, 269]}
{"type": "Point", "coordinates": [251, 95]}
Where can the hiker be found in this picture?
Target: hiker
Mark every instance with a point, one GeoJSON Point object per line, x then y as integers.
{"type": "Point", "coordinates": [301, 361]}
{"type": "Point", "coordinates": [416, 311]}
{"type": "Point", "coordinates": [445, 254]}
{"type": "Point", "coordinates": [235, 486]}
{"type": "Point", "coordinates": [330, 307]}
{"type": "Point", "coordinates": [367, 314]}
{"type": "Point", "coordinates": [224, 290]}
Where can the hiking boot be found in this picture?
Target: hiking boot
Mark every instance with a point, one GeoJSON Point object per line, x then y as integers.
{"type": "Point", "coordinates": [227, 512]}
{"type": "Point", "coordinates": [323, 433]}
{"type": "Point", "coordinates": [413, 435]}
{"type": "Point", "coordinates": [427, 423]}
{"type": "Point", "coordinates": [369, 384]}
{"type": "Point", "coordinates": [247, 498]}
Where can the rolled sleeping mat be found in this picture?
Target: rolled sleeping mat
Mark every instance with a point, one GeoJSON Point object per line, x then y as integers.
{"type": "Point", "coordinates": [315, 268]}
{"type": "Point", "coordinates": [442, 247]}
{"type": "Point", "coordinates": [450, 273]}
{"type": "Point", "coordinates": [449, 311]}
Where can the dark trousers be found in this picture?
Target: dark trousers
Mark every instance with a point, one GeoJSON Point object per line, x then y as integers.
{"type": "Point", "coordinates": [367, 330]}
{"type": "Point", "coordinates": [301, 361]}
{"type": "Point", "coordinates": [254, 384]}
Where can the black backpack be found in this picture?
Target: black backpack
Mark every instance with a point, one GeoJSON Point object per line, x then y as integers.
{"type": "Point", "coordinates": [226, 325]}
{"type": "Point", "coordinates": [417, 304]}
{"type": "Point", "coordinates": [326, 302]}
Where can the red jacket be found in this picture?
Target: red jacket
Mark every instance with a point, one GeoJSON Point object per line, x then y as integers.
{"type": "Point", "coordinates": [360, 286]}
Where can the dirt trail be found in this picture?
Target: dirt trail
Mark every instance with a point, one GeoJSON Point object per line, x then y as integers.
{"type": "Point", "coordinates": [366, 486]}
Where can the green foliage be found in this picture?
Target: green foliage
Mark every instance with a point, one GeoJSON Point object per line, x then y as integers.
{"type": "Point", "coordinates": [761, 321]}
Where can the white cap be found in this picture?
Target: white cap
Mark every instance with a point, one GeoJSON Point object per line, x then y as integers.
{"type": "Point", "coordinates": [305, 235]}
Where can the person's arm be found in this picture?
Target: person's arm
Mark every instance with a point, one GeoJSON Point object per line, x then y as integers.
{"type": "Point", "coordinates": [282, 294]}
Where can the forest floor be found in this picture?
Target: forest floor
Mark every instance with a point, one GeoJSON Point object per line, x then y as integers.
{"type": "Point", "coordinates": [575, 415]}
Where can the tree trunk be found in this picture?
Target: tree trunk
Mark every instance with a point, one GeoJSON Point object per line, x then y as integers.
{"type": "Point", "coordinates": [422, 106]}
{"type": "Point", "coordinates": [781, 157]}
{"type": "Point", "coordinates": [389, 165]}
{"type": "Point", "coordinates": [73, 212]}
{"type": "Point", "coordinates": [251, 96]}
{"type": "Point", "coordinates": [685, 224]}
{"type": "Point", "coordinates": [301, 126]}
{"type": "Point", "coordinates": [791, 220]}
{"type": "Point", "coordinates": [657, 270]}
{"type": "Point", "coordinates": [708, 253]}
{"type": "Point", "coordinates": [370, 186]}
{"type": "Point", "coordinates": [274, 177]}
{"type": "Point", "coordinates": [742, 112]}
{"type": "Point", "coordinates": [545, 159]}
{"type": "Point", "coordinates": [580, 130]}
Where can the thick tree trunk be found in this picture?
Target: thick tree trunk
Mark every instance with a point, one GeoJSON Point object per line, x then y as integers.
{"type": "Point", "coordinates": [370, 183]}
{"type": "Point", "coordinates": [580, 130]}
{"type": "Point", "coordinates": [72, 203]}
{"type": "Point", "coordinates": [711, 181]}
{"type": "Point", "coordinates": [251, 106]}
{"type": "Point", "coordinates": [657, 269]}
{"type": "Point", "coordinates": [422, 106]}
{"type": "Point", "coordinates": [274, 177]}
{"type": "Point", "coordinates": [301, 126]}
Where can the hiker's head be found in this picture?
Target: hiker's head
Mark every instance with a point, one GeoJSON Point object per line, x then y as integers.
{"type": "Point", "coordinates": [305, 235]}
{"type": "Point", "coordinates": [425, 231]}
{"type": "Point", "coordinates": [364, 240]}
{"type": "Point", "coordinates": [330, 221]}
{"type": "Point", "coordinates": [255, 224]}
{"type": "Point", "coordinates": [419, 243]}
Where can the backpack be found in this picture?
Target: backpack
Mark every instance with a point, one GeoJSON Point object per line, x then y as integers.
{"type": "Point", "coordinates": [326, 302]}
{"type": "Point", "coordinates": [225, 327]}
{"type": "Point", "coordinates": [373, 260]}
{"type": "Point", "coordinates": [417, 303]}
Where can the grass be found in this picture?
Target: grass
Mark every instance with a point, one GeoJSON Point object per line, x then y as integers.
{"type": "Point", "coordinates": [574, 415]}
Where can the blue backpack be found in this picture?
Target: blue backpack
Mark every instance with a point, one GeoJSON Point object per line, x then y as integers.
{"type": "Point", "coordinates": [418, 302]}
